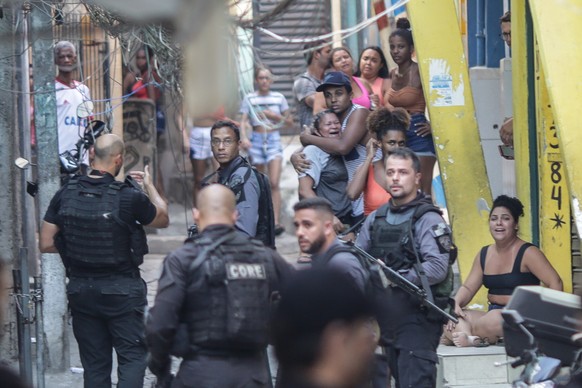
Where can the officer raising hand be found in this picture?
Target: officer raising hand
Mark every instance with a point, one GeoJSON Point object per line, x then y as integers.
{"type": "Point", "coordinates": [95, 223]}
{"type": "Point", "coordinates": [218, 287]}
{"type": "Point", "coordinates": [141, 177]}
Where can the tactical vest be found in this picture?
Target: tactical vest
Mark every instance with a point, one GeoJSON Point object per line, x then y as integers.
{"type": "Point", "coordinates": [92, 235]}
{"type": "Point", "coordinates": [393, 245]}
{"type": "Point", "coordinates": [228, 306]}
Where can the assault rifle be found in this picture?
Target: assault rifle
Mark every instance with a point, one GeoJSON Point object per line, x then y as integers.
{"type": "Point", "coordinates": [405, 284]}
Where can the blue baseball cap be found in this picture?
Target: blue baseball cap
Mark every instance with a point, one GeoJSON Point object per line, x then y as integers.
{"type": "Point", "coordinates": [335, 78]}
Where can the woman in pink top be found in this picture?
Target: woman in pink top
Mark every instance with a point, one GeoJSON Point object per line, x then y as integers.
{"type": "Point", "coordinates": [389, 132]}
{"type": "Point", "coordinates": [374, 74]}
{"type": "Point", "coordinates": [341, 60]}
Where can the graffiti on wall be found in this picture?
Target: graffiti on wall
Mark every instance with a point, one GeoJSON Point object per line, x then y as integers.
{"type": "Point", "coordinates": [139, 135]}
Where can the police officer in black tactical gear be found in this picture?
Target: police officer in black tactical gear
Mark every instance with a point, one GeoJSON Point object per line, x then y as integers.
{"type": "Point", "coordinates": [220, 285]}
{"type": "Point", "coordinates": [95, 223]}
{"type": "Point", "coordinates": [407, 227]}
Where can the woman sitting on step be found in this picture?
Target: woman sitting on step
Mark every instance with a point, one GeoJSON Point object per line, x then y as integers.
{"type": "Point", "coordinates": [501, 267]}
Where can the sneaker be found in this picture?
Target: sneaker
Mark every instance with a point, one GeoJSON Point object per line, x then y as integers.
{"type": "Point", "coordinates": [279, 229]}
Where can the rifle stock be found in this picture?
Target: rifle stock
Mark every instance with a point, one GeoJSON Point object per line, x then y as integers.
{"type": "Point", "coordinates": [405, 284]}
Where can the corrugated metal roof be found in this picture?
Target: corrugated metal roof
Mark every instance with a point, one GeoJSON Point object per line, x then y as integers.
{"type": "Point", "coordinates": [303, 19]}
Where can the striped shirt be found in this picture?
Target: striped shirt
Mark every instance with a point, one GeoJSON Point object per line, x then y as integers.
{"type": "Point", "coordinates": [253, 104]}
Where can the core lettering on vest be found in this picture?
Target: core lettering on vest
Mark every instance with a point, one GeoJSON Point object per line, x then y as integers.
{"type": "Point", "coordinates": [236, 271]}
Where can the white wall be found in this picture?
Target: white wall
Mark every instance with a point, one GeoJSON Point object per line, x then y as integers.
{"type": "Point", "coordinates": [492, 96]}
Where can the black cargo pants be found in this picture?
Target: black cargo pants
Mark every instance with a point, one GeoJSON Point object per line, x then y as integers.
{"type": "Point", "coordinates": [109, 313]}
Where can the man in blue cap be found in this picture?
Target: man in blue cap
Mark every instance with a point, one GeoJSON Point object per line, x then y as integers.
{"type": "Point", "coordinates": [337, 90]}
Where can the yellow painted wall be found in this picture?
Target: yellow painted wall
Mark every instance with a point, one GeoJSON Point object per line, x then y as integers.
{"type": "Point", "coordinates": [555, 231]}
{"type": "Point", "coordinates": [447, 89]}
{"type": "Point", "coordinates": [559, 31]}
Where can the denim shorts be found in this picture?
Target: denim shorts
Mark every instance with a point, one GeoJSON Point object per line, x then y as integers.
{"type": "Point", "coordinates": [265, 147]}
{"type": "Point", "coordinates": [423, 146]}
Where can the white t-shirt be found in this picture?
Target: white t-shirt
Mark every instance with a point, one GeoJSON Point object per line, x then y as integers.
{"type": "Point", "coordinates": [318, 159]}
{"type": "Point", "coordinates": [71, 127]}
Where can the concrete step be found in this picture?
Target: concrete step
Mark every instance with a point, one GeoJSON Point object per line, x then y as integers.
{"type": "Point", "coordinates": [474, 367]}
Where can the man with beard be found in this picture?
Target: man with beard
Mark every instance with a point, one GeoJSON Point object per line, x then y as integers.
{"type": "Point", "coordinates": [407, 226]}
{"type": "Point", "coordinates": [69, 95]}
{"type": "Point", "coordinates": [315, 233]}
{"type": "Point", "coordinates": [95, 223]}
{"type": "Point", "coordinates": [305, 84]}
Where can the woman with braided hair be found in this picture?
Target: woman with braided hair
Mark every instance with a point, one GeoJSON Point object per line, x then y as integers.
{"type": "Point", "coordinates": [406, 92]}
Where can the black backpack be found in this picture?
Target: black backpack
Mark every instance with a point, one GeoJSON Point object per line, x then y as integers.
{"type": "Point", "coordinates": [375, 278]}
{"type": "Point", "coordinates": [376, 288]}
{"type": "Point", "coordinates": [266, 222]}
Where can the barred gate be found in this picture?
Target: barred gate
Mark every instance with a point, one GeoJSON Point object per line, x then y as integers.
{"type": "Point", "coordinates": [92, 56]}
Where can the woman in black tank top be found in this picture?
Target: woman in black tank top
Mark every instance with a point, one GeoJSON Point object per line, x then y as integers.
{"type": "Point", "coordinates": [501, 267]}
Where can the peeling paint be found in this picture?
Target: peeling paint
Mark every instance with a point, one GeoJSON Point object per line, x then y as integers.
{"type": "Point", "coordinates": [483, 206]}
{"type": "Point", "coordinates": [442, 90]}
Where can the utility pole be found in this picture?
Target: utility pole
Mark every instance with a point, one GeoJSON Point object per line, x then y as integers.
{"type": "Point", "coordinates": [45, 116]}
{"type": "Point", "coordinates": [22, 275]}
{"type": "Point", "coordinates": [9, 198]}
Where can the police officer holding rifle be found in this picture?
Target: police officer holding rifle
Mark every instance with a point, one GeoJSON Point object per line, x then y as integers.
{"type": "Point", "coordinates": [410, 236]}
